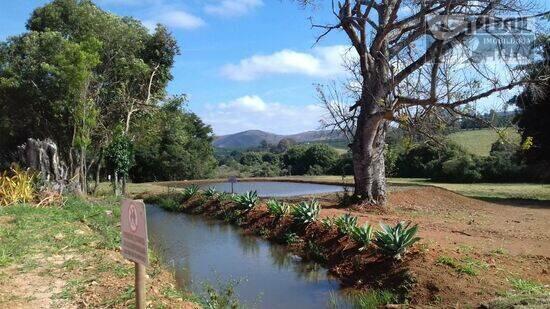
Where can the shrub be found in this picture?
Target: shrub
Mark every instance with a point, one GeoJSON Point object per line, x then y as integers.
{"type": "Point", "coordinates": [168, 203]}
{"type": "Point", "coordinates": [464, 168]}
{"type": "Point", "coordinates": [306, 212]}
{"type": "Point", "coordinates": [16, 186]}
{"type": "Point", "coordinates": [211, 192]}
{"type": "Point", "coordinates": [345, 223]}
{"type": "Point", "coordinates": [394, 241]}
{"type": "Point", "coordinates": [277, 208]}
{"type": "Point", "coordinates": [362, 235]}
{"type": "Point", "coordinates": [190, 191]}
{"type": "Point", "coordinates": [247, 201]}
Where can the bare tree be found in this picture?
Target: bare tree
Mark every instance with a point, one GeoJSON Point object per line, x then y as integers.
{"type": "Point", "coordinates": [403, 51]}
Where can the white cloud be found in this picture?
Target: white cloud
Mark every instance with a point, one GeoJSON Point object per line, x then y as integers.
{"type": "Point", "coordinates": [251, 112]}
{"type": "Point", "coordinates": [176, 19]}
{"type": "Point", "coordinates": [321, 62]}
{"type": "Point", "coordinates": [246, 104]}
{"type": "Point", "coordinates": [232, 8]}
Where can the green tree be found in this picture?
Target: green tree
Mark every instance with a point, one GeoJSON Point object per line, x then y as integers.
{"type": "Point", "coordinates": [110, 69]}
{"type": "Point", "coordinates": [251, 158]}
{"type": "Point", "coordinates": [322, 156]}
{"type": "Point", "coordinates": [172, 144]}
{"type": "Point", "coordinates": [120, 158]}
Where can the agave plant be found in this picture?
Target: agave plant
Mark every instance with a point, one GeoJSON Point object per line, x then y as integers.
{"type": "Point", "coordinates": [211, 192]}
{"type": "Point", "coordinates": [246, 201]}
{"type": "Point", "coordinates": [345, 223]}
{"type": "Point", "coordinates": [327, 222]}
{"type": "Point", "coordinates": [362, 235]}
{"type": "Point", "coordinates": [394, 241]}
{"type": "Point", "coordinates": [306, 212]}
{"type": "Point", "coordinates": [277, 208]}
{"type": "Point", "coordinates": [190, 191]}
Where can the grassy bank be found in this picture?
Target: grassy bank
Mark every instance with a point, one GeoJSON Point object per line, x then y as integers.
{"type": "Point", "coordinates": [68, 256]}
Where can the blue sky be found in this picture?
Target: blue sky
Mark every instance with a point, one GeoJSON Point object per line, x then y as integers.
{"type": "Point", "coordinates": [245, 64]}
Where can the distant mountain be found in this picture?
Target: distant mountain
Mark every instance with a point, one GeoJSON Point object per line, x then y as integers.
{"type": "Point", "coordinates": [253, 138]}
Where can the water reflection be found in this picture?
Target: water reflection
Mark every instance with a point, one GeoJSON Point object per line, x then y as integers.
{"type": "Point", "coordinates": [275, 189]}
{"type": "Point", "coordinates": [202, 251]}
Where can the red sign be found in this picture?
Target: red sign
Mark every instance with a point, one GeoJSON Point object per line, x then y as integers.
{"type": "Point", "coordinates": [133, 223]}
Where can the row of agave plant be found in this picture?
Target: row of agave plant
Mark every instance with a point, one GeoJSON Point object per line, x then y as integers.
{"type": "Point", "coordinates": [391, 241]}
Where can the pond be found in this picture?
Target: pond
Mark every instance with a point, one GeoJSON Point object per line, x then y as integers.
{"type": "Point", "coordinates": [275, 189]}
{"type": "Point", "coordinates": [207, 251]}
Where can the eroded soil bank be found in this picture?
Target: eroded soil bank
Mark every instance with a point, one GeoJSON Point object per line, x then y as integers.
{"type": "Point", "coordinates": [471, 251]}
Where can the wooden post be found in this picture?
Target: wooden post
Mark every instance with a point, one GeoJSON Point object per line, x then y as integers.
{"type": "Point", "coordinates": [231, 188]}
{"type": "Point", "coordinates": [140, 286]}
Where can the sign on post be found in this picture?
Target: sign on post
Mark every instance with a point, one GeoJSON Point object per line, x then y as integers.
{"type": "Point", "coordinates": [134, 232]}
{"type": "Point", "coordinates": [133, 224]}
{"type": "Point", "coordinates": [232, 180]}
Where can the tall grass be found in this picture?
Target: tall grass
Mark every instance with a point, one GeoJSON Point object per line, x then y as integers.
{"type": "Point", "coordinates": [16, 186]}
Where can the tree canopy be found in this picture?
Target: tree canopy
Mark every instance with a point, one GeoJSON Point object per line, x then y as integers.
{"type": "Point", "coordinates": [79, 75]}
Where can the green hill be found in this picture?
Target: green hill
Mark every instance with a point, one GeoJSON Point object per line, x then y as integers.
{"type": "Point", "coordinates": [479, 142]}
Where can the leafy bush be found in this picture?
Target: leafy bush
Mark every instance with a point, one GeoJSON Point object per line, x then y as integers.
{"type": "Point", "coordinates": [394, 241]}
{"type": "Point", "coordinates": [247, 201]}
{"type": "Point", "coordinates": [277, 208]}
{"type": "Point", "coordinates": [306, 212]}
{"type": "Point", "coordinates": [210, 192]}
{"type": "Point", "coordinates": [16, 186]}
{"type": "Point", "coordinates": [190, 191]}
{"type": "Point", "coordinates": [345, 223]}
{"type": "Point", "coordinates": [465, 168]}
{"type": "Point", "coordinates": [168, 203]}
{"type": "Point", "coordinates": [362, 235]}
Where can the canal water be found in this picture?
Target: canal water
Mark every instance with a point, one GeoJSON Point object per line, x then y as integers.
{"type": "Point", "coordinates": [275, 189]}
{"type": "Point", "coordinates": [203, 251]}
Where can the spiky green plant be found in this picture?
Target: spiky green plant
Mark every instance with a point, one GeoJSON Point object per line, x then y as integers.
{"type": "Point", "coordinates": [246, 201]}
{"type": "Point", "coordinates": [362, 235]}
{"type": "Point", "coordinates": [306, 212]}
{"type": "Point", "coordinates": [394, 241]}
{"type": "Point", "coordinates": [277, 208]}
{"type": "Point", "coordinates": [211, 192]}
{"type": "Point", "coordinates": [327, 222]}
{"type": "Point", "coordinates": [190, 191]}
{"type": "Point", "coordinates": [345, 223]}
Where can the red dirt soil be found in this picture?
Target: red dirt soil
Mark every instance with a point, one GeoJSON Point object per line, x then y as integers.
{"type": "Point", "coordinates": [499, 242]}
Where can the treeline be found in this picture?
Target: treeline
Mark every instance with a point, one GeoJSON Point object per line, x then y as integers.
{"type": "Point", "coordinates": [285, 158]}
{"type": "Point", "coordinates": [450, 163]}
{"type": "Point", "coordinates": [95, 83]}
{"type": "Point", "coordinates": [442, 161]}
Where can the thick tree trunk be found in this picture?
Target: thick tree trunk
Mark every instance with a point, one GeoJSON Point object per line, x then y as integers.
{"type": "Point", "coordinates": [368, 158]}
